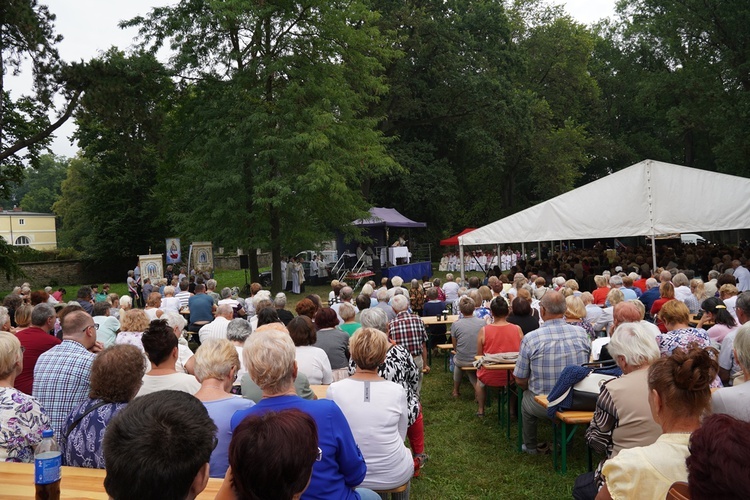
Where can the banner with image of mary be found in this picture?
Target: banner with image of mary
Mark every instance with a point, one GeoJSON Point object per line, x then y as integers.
{"type": "Point", "coordinates": [174, 253]}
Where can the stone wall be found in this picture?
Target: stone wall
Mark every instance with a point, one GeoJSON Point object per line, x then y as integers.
{"type": "Point", "coordinates": [232, 262]}
{"type": "Point", "coordinates": [61, 272]}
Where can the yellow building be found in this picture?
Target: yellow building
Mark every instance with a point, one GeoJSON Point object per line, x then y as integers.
{"type": "Point", "coordinates": [30, 229]}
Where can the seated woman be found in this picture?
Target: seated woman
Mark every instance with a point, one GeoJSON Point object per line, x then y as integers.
{"type": "Point", "coordinates": [170, 302]}
{"type": "Point", "coordinates": [334, 341]}
{"type": "Point", "coordinates": [464, 334]}
{"type": "Point", "coordinates": [311, 361]}
{"type": "Point", "coordinates": [498, 337]}
{"type": "Point", "coordinates": [116, 375]}
{"type": "Point", "coordinates": [523, 315]}
{"type": "Point", "coordinates": [291, 437]}
{"type": "Point", "coordinates": [22, 418]}
{"type": "Point", "coordinates": [714, 310]}
{"type": "Point", "coordinates": [602, 290]}
{"type": "Point", "coordinates": [348, 314]}
{"type": "Point", "coordinates": [153, 303]}
{"type": "Point", "coordinates": [216, 367]}
{"type": "Point", "coordinates": [132, 325]}
{"type": "Point", "coordinates": [675, 316]}
{"type": "Point", "coordinates": [575, 314]}
{"type": "Point", "coordinates": [666, 294]}
{"type": "Point", "coordinates": [735, 400]}
{"type": "Point", "coordinates": [270, 360]}
{"type": "Point", "coordinates": [623, 417]}
{"type": "Point", "coordinates": [679, 394]}
{"type": "Point", "coordinates": [377, 413]}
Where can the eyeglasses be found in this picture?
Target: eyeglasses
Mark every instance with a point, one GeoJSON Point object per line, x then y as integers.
{"type": "Point", "coordinates": [95, 326]}
{"type": "Point", "coordinates": [320, 455]}
{"type": "Point", "coordinates": [23, 349]}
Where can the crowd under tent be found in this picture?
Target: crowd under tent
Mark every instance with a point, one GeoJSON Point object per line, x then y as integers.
{"type": "Point", "coordinates": [648, 199]}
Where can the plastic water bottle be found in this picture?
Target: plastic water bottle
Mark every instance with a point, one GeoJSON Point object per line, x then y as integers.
{"type": "Point", "coordinates": [47, 467]}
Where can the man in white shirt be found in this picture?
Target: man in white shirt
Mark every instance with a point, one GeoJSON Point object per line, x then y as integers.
{"type": "Point", "coordinates": [450, 288]}
{"type": "Point", "coordinates": [710, 285]}
{"type": "Point", "coordinates": [742, 275]}
{"type": "Point", "coordinates": [217, 329]}
{"type": "Point", "coordinates": [183, 295]}
{"type": "Point", "coordinates": [160, 343]}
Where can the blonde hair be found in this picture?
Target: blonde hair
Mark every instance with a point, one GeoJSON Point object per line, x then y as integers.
{"type": "Point", "coordinates": [169, 291]}
{"type": "Point", "coordinates": [134, 320]}
{"type": "Point", "coordinates": [575, 308]}
{"type": "Point", "coordinates": [10, 354]}
{"type": "Point", "coordinates": [269, 357]}
{"type": "Point", "coordinates": [215, 359]}
{"type": "Point", "coordinates": [615, 296]}
{"type": "Point", "coordinates": [368, 348]}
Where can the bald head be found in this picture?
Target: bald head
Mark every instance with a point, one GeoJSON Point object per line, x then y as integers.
{"type": "Point", "coordinates": [226, 311]}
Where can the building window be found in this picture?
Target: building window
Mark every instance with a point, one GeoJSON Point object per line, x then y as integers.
{"type": "Point", "coordinates": [23, 240]}
{"type": "Point", "coordinates": [21, 222]}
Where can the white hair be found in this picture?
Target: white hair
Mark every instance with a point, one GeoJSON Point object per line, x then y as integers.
{"type": "Point", "coordinates": [397, 281]}
{"type": "Point", "coordinates": [400, 303]}
{"type": "Point", "coordinates": [635, 343]}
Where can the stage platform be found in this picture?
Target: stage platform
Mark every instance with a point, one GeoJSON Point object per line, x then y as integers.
{"type": "Point", "coordinates": [408, 272]}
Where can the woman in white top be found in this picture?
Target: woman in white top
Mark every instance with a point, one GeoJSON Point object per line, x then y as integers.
{"type": "Point", "coordinates": [153, 302]}
{"type": "Point", "coordinates": [377, 413]}
{"type": "Point", "coordinates": [312, 361]}
{"type": "Point", "coordinates": [170, 302]}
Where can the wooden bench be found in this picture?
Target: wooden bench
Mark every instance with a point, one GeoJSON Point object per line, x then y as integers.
{"type": "Point", "coordinates": [393, 491]}
{"type": "Point", "coordinates": [566, 418]}
{"type": "Point", "coordinates": [444, 347]}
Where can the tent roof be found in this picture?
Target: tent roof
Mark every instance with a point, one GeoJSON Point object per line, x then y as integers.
{"type": "Point", "coordinates": [387, 217]}
{"type": "Point", "coordinates": [453, 240]}
{"type": "Point", "coordinates": [647, 198]}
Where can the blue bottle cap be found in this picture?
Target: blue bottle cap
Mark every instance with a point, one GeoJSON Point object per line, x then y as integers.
{"type": "Point", "coordinates": [48, 433]}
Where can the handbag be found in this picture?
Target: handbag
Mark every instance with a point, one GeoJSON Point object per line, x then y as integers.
{"type": "Point", "coordinates": [584, 393]}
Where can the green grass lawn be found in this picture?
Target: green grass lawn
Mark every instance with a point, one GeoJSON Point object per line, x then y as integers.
{"type": "Point", "coordinates": [470, 458]}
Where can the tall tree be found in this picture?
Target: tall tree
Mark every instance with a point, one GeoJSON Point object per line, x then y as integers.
{"type": "Point", "coordinates": [27, 34]}
{"type": "Point", "coordinates": [108, 205]}
{"type": "Point", "coordinates": [283, 139]}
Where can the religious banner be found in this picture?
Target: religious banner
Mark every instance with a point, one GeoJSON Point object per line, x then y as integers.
{"type": "Point", "coordinates": [174, 251]}
{"type": "Point", "coordinates": [152, 266]}
{"type": "Point", "coordinates": [202, 257]}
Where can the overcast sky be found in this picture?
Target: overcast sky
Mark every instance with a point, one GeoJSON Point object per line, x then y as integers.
{"type": "Point", "coordinates": [89, 27]}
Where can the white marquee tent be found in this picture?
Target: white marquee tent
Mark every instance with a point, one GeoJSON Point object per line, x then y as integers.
{"type": "Point", "coordinates": [645, 199]}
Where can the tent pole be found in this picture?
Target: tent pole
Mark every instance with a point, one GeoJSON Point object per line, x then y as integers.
{"type": "Point", "coordinates": [461, 258]}
{"type": "Point", "coordinates": [523, 250]}
{"type": "Point", "coordinates": [653, 250]}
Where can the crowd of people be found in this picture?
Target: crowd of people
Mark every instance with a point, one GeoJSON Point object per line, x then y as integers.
{"type": "Point", "coordinates": [121, 387]}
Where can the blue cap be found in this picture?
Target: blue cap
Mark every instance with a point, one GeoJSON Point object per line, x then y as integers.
{"type": "Point", "coordinates": [48, 433]}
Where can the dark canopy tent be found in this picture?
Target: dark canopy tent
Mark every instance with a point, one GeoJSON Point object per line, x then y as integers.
{"type": "Point", "coordinates": [453, 240]}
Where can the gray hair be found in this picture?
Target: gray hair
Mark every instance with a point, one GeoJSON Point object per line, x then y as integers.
{"type": "Point", "coordinates": [224, 310]}
{"type": "Point", "coordinates": [346, 293]}
{"type": "Point", "coordinates": [259, 297]}
{"type": "Point", "coordinates": [743, 303]}
{"type": "Point", "coordinates": [635, 343]}
{"type": "Point", "coordinates": [238, 330]}
{"type": "Point", "coordinates": [713, 274]}
{"type": "Point", "coordinates": [211, 284]}
{"type": "Point", "coordinates": [415, 283]}
{"type": "Point", "coordinates": [374, 318]}
{"type": "Point", "coordinates": [226, 292]}
{"type": "Point", "coordinates": [651, 283]}
{"type": "Point", "coordinates": [4, 315]}
{"type": "Point", "coordinates": [397, 281]}
{"type": "Point", "coordinates": [680, 279]}
{"type": "Point", "coordinates": [346, 311]}
{"type": "Point", "coordinates": [367, 289]}
{"type": "Point", "coordinates": [382, 295]}
{"type": "Point", "coordinates": [742, 346]}
{"type": "Point", "coordinates": [174, 320]}
{"type": "Point", "coordinates": [269, 356]}
{"type": "Point", "coordinates": [400, 303]}
{"type": "Point", "coordinates": [615, 280]}
{"type": "Point", "coordinates": [41, 313]}
{"type": "Point", "coordinates": [554, 303]}
{"type": "Point", "coordinates": [279, 301]}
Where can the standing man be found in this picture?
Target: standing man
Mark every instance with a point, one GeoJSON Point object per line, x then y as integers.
{"type": "Point", "coordinates": [407, 330]}
{"type": "Point", "coordinates": [36, 340]}
{"type": "Point", "coordinates": [545, 352]}
{"type": "Point", "coordinates": [132, 288]}
{"type": "Point", "coordinates": [61, 375]}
